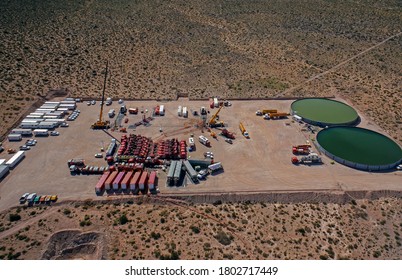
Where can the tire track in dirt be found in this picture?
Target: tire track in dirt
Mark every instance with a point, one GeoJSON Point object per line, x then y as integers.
{"type": "Point", "coordinates": [28, 222]}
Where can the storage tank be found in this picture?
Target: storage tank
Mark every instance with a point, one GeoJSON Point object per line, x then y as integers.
{"type": "Point", "coordinates": [324, 112]}
{"type": "Point", "coordinates": [359, 148]}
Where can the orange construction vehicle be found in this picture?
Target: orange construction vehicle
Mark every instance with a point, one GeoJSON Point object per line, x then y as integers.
{"type": "Point", "coordinates": [278, 115]}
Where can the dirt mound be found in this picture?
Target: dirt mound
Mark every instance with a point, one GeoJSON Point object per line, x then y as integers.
{"type": "Point", "coordinates": [73, 244]}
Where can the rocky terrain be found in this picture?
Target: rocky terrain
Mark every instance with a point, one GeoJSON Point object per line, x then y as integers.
{"type": "Point", "coordinates": [149, 229]}
{"type": "Point", "coordinates": [233, 49]}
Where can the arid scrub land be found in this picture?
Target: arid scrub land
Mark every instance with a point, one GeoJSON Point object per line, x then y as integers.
{"type": "Point", "coordinates": [141, 229]}
{"type": "Point", "coordinates": [233, 49]}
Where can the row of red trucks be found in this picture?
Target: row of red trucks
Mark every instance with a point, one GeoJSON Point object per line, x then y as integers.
{"type": "Point", "coordinates": [127, 181]}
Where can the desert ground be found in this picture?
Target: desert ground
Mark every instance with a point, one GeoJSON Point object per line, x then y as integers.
{"type": "Point", "coordinates": [233, 49]}
{"type": "Point", "coordinates": [147, 228]}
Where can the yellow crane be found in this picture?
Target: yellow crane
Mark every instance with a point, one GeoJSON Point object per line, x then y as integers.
{"type": "Point", "coordinates": [213, 122]}
{"type": "Point", "coordinates": [100, 123]}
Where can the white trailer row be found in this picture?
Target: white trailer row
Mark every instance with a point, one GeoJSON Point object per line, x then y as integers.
{"type": "Point", "coordinates": [14, 137]}
{"type": "Point", "coordinates": [22, 131]}
{"type": "Point", "coordinates": [41, 132]}
{"type": "Point", "coordinates": [17, 157]}
{"type": "Point", "coordinates": [41, 125]}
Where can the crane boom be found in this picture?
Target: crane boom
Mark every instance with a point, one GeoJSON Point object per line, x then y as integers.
{"type": "Point", "coordinates": [100, 124]}
{"type": "Point", "coordinates": [103, 93]}
{"type": "Point", "coordinates": [212, 121]}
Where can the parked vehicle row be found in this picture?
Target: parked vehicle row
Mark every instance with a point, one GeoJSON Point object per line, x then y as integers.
{"type": "Point", "coordinates": [33, 198]}
{"type": "Point", "coordinates": [74, 115]}
{"type": "Point", "coordinates": [28, 144]}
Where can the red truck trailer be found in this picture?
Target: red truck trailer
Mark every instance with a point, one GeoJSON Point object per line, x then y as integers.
{"type": "Point", "coordinates": [125, 184]}
{"type": "Point", "coordinates": [134, 181]}
{"type": "Point", "coordinates": [100, 186]}
{"type": "Point", "coordinates": [142, 184]}
{"type": "Point", "coordinates": [110, 179]}
{"type": "Point", "coordinates": [117, 180]}
{"type": "Point", "coordinates": [152, 182]}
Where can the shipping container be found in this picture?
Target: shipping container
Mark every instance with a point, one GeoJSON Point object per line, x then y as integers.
{"type": "Point", "coordinates": [125, 184]}
{"type": "Point", "coordinates": [31, 116]}
{"type": "Point", "coordinates": [134, 181]}
{"type": "Point", "coordinates": [177, 172]}
{"type": "Point", "coordinates": [162, 110]}
{"type": "Point", "coordinates": [117, 181]}
{"type": "Point", "coordinates": [152, 181]}
{"type": "Point", "coordinates": [28, 125]}
{"type": "Point", "coordinates": [14, 137]}
{"type": "Point", "coordinates": [68, 102]}
{"type": "Point", "coordinates": [142, 184]}
{"type": "Point", "coordinates": [49, 107]}
{"type": "Point", "coordinates": [55, 113]}
{"type": "Point", "coordinates": [41, 132]}
{"type": "Point", "coordinates": [49, 117]}
{"type": "Point", "coordinates": [2, 161]}
{"type": "Point", "coordinates": [185, 113]}
{"type": "Point", "coordinates": [47, 125]}
{"type": "Point", "coordinates": [52, 103]}
{"type": "Point", "coordinates": [110, 180]}
{"type": "Point", "coordinates": [100, 186]}
{"type": "Point", "coordinates": [111, 148]}
{"type": "Point", "coordinates": [17, 157]}
{"type": "Point", "coordinates": [179, 111]}
{"type": "Point", "coordinates": [26, 120]}
{"type": "Point", "coordinates": [172, 168]}
{"type": "Point", "coordinates": [22, 131]}
{"type": "Point", "coordinates": [190, 170]}
{"type": "Point", "coordinates": [37, 114]}
{"type": "Point", "coordinates": [4, 169]}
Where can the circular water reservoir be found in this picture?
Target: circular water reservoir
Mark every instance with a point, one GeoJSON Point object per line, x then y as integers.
{"type": "Point", "coordinates": [324, 112]}
{"type": "Point", "coordinates": [359, 148]}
